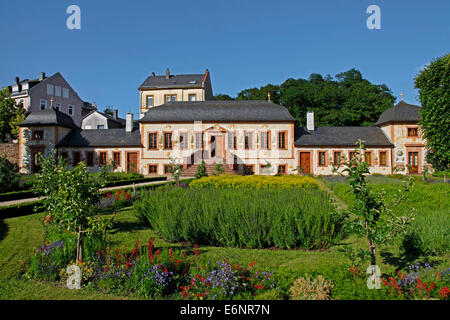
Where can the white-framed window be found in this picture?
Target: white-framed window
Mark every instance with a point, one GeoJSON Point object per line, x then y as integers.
{"type": "Point", "coordinates": [65, 92]}
{"type": "Point", "coordinates": [50, 89]}
{"type": "Point", "coordinates": [192, 97]}
{"type": "Point", "coordinates": [43, 104]}
{"type": "Point", "coordinates": [183, 140]}
{"type": "Point", "coordinates": [70, 110]}
{"type": "Point", "coordinates": [57, 91]}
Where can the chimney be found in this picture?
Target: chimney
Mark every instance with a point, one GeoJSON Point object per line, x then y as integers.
{"type": "Point", "coordinates": [115, 113]}
{"type": "Point", "coordinates": [310, 120]}
{"type": "Point", "coordinates": [17, 80]}
{"type": "Point", "coordinates": [167, 74]}
{"type": "Point", "coordinates": [153, 74]}
{"type": "Point", "coordinates": [129, 122]}
{"type": "Point", "coordinates": [41, 76]}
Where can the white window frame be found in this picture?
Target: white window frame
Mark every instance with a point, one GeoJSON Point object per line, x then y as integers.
{"type": "Point", "coordinates": [45, 104]}
{"type": "Point", "coordinates": [65, 93]}
{"type": "Point", "coordinates": [57, 91]}
{"type": "Point", "coordinates": [70, 110]}
{"type": "Point", "coordinates": [50, 89]}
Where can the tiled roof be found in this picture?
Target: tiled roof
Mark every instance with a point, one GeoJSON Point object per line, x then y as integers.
{"type": "Point", "coordinates": [174, 81]}
{"type": "Point", "coordinates": [48, 117]}
{"type": "Point", "coordinates": [401, 112]}
{"type": "Point", "coordinates": [341, 136]}
{"type": "Point", "coordinates": [236, 110]}
{"type": "Point", "coordinates": [102, 138]}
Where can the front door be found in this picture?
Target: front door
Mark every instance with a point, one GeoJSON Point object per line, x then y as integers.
{"type": "Point", "coordinates": [132, 164]}
{"type": "Point", "coordinates": [35, 163]}
{"type": "Point", "coordinates": [413, 162]}
{"type": "Point", "coordinates": [305, 162]}
{"type": "Point", "coordinates": [216, 147]}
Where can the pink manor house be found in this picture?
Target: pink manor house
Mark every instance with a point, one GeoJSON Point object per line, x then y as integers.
{"type": "Point", "coordinates": [180, 121]}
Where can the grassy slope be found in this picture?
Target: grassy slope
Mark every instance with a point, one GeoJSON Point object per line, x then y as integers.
{"type": "Point", "coordinates": [19, 236]}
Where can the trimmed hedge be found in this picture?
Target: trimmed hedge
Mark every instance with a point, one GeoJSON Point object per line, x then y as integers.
{"type": "Point", "coordinates": [18, 210]}
{"type": "Point", "coordinates": [17, 195]}
{"type": "Point", "coordinates": [26, 194]}
{"type": "Point", "coordinates": [141, 180]}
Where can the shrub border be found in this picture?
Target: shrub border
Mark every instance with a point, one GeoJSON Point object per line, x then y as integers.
{"type": "Point", "coordinates": [21, 209]}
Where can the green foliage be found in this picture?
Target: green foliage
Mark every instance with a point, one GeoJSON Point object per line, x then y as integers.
{"type": "Point", "coordinates": [434, 93]}
{"type": "Point", "coordinates": [222, 97]}
{"type": "Point", "coordinates": [372, 217]}
{"type": "Point", "coordinates": [9, 175]}
{"type": "Point", "coordinates": [288, 218]}
{"type": "Point", "coordinates": [201, 171]}
{"type": "Point", "coordinates": [11, 114]}
{"type": "Point", "coordinates": [70, 197]}
{"type": "Point", "coordinates": [349, 100]}
{"type": "Point", "coordinates": [429, 234]}
{"type": "Point", "coordinates": [218, 169]}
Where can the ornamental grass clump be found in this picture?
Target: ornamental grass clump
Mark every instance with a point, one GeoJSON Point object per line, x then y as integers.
{"type": "Point", "coordinates": [307, 289]}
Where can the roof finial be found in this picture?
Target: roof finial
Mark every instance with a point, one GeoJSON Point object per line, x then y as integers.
{"type": "Point", "coordinates": [268, 96]}
{"type": "Point", "coordinates": [401, 96]}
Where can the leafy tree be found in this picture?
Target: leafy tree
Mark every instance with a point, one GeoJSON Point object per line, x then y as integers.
{"type": "Point", "coordinates": [201, 171]}
{"type": "Point", "coordinates": [9, 175]}
{"type": "Point", "coordinates": [371, 216]}
{"type": "Point", "coordinates": [348, 100]}
{"type": "Point", "coordinates": [11, 114]}
{"type": "Point", "coordinates": [71, 197]}
{"type": "Point", "coordinates": [434, 94]}
{"type": "Point", "coordinates": [222, 96]}
{"type": "Point", "coordinates": [109, 110]}
{"type": "Point", "coordinates": [261, 93]}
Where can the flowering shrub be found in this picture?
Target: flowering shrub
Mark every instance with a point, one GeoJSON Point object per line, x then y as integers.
{"type": "Point", "coordinates": [116, 200]}
{"type": "Point", "coordinates": [255, 182]}
{"type": "Point", "coordinates": [45, 260]}
{"type": "Point", "coordinates": [420, 282]}
{"type": "Point", "coordinates": [226, 280]}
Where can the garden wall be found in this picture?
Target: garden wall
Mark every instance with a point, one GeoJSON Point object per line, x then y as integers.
{"type": "Point", "coordinates": [11, 150]}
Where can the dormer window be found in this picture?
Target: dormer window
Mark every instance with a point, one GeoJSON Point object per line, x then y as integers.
{"type": "Point", "coordinates": [413, 132]}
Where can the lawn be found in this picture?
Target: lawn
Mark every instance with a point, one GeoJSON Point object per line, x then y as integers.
{"type": "Point", "coordinates": [20, 236]}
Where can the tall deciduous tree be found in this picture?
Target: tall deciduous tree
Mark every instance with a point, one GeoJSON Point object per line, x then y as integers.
{"type": "Point", "coordinates": [11, 114]}
{"type": "Point", "coordinates": [434, 93]}
{"type": "Point", "coordinates": [348, 100]}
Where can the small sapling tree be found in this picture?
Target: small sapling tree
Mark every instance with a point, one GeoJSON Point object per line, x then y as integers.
{"type": "Point", "coordinates": [71, 198]}
{"type": "Point", "coordinates": [371, 216]}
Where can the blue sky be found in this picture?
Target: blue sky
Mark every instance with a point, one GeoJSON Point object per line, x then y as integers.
{"type": "Point", "coordinates": [243, 43]}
